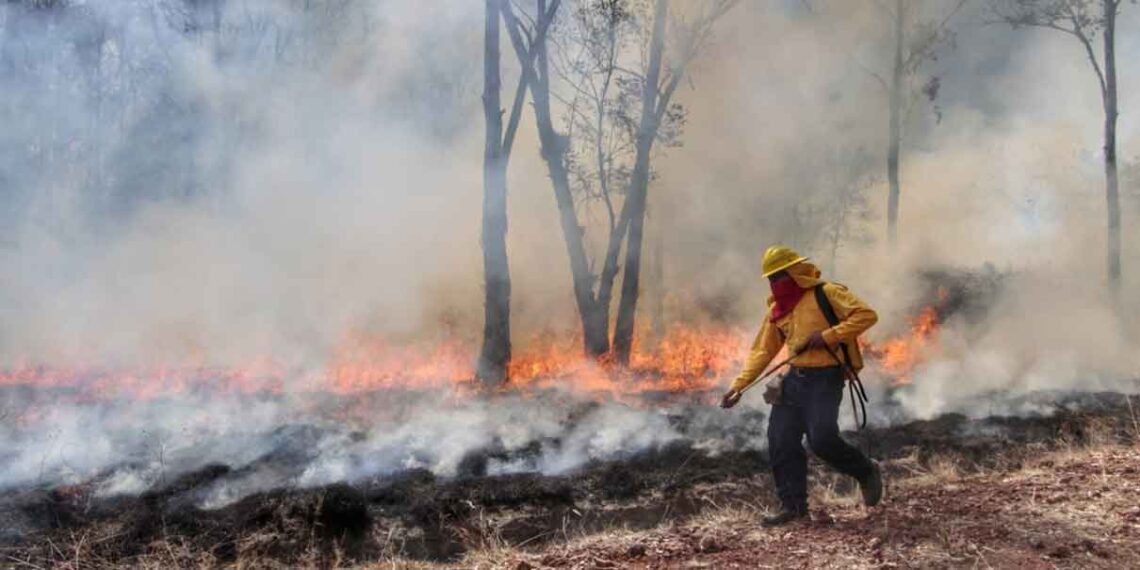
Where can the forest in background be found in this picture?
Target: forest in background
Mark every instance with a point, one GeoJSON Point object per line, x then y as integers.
{"type": "Point", "coordinates": [224, 178]}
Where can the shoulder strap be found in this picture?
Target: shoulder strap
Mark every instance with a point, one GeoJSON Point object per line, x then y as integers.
{"type": "Point", "coordinates": [855, 386]}
{"type": "Point", "coordinates": [832, 318]}
{"type": "Point", "coordinates": [825, 306]}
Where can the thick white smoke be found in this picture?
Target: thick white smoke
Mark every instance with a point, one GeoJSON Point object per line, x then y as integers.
{"type": "Point", "coordinates": [186, 195]}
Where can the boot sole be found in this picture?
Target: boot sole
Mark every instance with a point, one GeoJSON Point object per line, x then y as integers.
{"type": "Point", "coordinates": [873, 499]}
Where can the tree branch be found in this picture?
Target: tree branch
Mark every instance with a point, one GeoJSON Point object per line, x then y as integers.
{"type": "Point", "coordinates": [666, 94]}
{"type": "Point", "coordinates": [882, 81]}
{"type": "Point", "coordinates": [915, 58]}
{"type": "Point", "coordinates": [515, 117]}
{"type": "Point", "coordinates": [700, 30]}
{"type": "Point", "coordinates": [950, 14]}
{"type": "Point", "coordinates": [526, 61]}
{"type": "Point", "coordinates": [1079, 32]}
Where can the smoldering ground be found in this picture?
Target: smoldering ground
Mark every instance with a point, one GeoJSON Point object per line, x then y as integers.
{"type": "Point", "coordinates": [190, 194]}
{"type": "Point", "coordinates": [415, 514]}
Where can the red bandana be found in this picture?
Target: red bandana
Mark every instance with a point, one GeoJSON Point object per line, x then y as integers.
{"type": "Point", "coordinates": [787, 294]}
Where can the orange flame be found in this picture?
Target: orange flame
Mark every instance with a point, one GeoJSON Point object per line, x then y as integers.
{"type": "Point", "coordinates": [687, 359]}
{"type": "Point", "coordinates": [899, 356]}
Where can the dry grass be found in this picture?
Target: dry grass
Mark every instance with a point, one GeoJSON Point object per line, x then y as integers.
{"type": "Point", "coordinates": [1068, 508]}
{"type": "Point", "coordinates": [1061, 508]}
{"type": "Point", "coordinates": [1135, 415]}
{"type": "Point", "coordinates": [731, 517]}
{"type": "Point", "coordinates": [939, 469]}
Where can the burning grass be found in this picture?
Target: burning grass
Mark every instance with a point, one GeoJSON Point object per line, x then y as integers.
{"type": "Point", "coordinates": [694, 358]}
{"type": "Point", "coordinates": [386, 453]}
{"type": "Point", "coordinates": [689, 358]}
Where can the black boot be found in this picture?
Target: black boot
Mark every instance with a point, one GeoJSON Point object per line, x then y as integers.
{"type": "Point", "coordinates": [785, 516]}
{"type": "Point", "coordinates": [872, 486]}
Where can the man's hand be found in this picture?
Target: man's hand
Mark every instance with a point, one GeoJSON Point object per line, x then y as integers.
{"type": "Point", "coordinates": [815, 341]}
{"type": "Point", "coordinates": [730, 399]}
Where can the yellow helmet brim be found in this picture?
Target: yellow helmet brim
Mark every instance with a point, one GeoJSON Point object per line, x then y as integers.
{"type": "Point", "coordinates": [783, 266]}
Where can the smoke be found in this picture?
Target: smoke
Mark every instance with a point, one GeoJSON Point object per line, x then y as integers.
{"type": "Point", "coordinates": [1004, 169]}
{"type": "Point", "coordinates": [229, 200]}
{"type": "Point", "coordinates": [211, 183]}
{"type": "Point", "coordinates": [272, 443]}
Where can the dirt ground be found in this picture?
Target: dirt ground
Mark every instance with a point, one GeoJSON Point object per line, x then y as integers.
{"type": "Point", "coordinates": [1074, 508]}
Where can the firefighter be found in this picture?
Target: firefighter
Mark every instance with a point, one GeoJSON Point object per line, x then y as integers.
{"type": "Point", "coordinates": [806, 400]}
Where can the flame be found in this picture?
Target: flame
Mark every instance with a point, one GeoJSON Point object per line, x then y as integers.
{"type": "Point", "coordinates": [686, 359]}
{"type": "Point", "coordinates": [363, 363]}
{"type": "Point", "coordinates": [899, 356]}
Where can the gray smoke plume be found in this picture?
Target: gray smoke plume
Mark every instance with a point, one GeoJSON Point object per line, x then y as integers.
{"type": "Point", "coordinates": [206, 184]}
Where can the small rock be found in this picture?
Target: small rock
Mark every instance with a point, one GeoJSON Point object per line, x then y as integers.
{"type": "Point", "coordinates": [636, 550]}
{"type": "Point", "coordinates": [709, 544]}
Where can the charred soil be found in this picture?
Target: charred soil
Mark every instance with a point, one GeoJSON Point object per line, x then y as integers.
{"type": "Point", "coordinates": [966, 490]}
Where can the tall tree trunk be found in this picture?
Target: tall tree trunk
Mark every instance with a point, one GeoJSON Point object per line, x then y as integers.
{"type": "Point", "coordinates": [496, 352]}
{"type": "Point", "coordinates": [1112, 194]}
{"type": "Point", "coordinates": [610, 267]}
{"type": "Point", "coordinates": [895, 128]}
{"type": "Point", "coordinates": [639, 186]}
{"type": "Point", "coordinates": [554, 146]}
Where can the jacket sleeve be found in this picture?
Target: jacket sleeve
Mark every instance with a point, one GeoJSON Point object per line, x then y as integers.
{"type": "Point", "coordinates": [764, 349]}
{"type": "Point", "coordinates": [855, 316]}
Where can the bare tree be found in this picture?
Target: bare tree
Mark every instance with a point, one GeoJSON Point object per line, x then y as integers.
{"type": "Point", "coordinates": [915, 42]}
{"type": "Point", "coordinates": [601, 132]}
{"type": "Point", "coordinates": [652, 99]}
{"type": "Point", "coordinates": [496, 350]}
{"type": "Point", "coordinates": [1085, 20]}
{"type": "Point", "coordinates": [614, 112]}
{"type": "Point", "coordinates": [658, 89]}
{"type": "Point", "coordinates": [531, 48]}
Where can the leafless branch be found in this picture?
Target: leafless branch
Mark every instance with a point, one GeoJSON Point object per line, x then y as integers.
{"type": "Point", "coordinates": [882, 81]}
{"type": "Point", "coordinates": [1086, 41]}
{"type": "Point", "coordinates": [698, 35]}
{"type": "Point", "coordinates": [1066, 16]}
{"type": "Point", "coordinates": [526, 61]}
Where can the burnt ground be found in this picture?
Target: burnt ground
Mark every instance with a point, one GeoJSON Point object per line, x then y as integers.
{"type": "Point", "coordinates": [1072, 508]}
{"type": "Point", "coordinates": [665, 494]}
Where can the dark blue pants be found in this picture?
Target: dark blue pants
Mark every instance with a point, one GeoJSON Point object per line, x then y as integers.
{"type": "Point", "coordinates": [809, 405]}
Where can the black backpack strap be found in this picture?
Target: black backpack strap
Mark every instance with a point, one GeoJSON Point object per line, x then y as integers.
{"type": "Point", "coordinates": [855, 385]}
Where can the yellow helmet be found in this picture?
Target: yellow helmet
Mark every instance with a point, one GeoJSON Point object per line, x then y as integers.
{"type": "Point", "coordinates": [778, 258]}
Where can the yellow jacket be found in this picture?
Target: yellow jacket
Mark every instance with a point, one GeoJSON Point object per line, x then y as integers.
{"type": "Point", "coordinates": [793, 329]}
